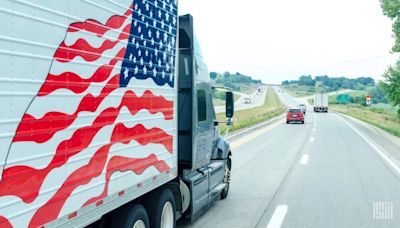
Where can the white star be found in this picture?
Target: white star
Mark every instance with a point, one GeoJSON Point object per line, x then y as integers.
{"type": "Point", "coordinates": [146, 53]}
{"type": "Point", "coordinates": [161, 44]}
{"type": "Point", "coordinates": [154, 23]}
{"type": "Point", "coordinates": [167, 16]}
{"type": "Point", "coordinates": [167, 67]}
{"type": "Point", "coordinates": [136, 7]}
{"type": "Point", "coordinates": [130, 57]}
{"type": "Point", "coordinates": [141, 61]}
{"type": "Point", "coordinates": [151, 14]}
{"type": "Point", "coordinates": [151, 64]}
{"type": "Point", "coordinates": [147, 6]}
{"type": "Point", "coordinates": [139, 53]}
{"type": "Point", "coordinates": [158, 34]}
{"type": "Point", "coordinates": [164, 6]}
{"type": "Point", "coordinates": [156, 51]}
{"type": "Point", "coordinates": [159, 62]}
{"type": "Point", "coordinates": [136, 70]}
{"type": "Point", "coordinates": [147, 24]}
{"type": "Point", "coordinates": [134, 59]}
{"type": "Point", "coordinates": [139, 12]}
{"type": "Point", "coordinates": [162, 24]}
{"type": "Point", "coordinates": [126, 73]}
{"type": "Point", "coordinates": [140, 29]}
{"type": "Point", "coordinates": [163, 74]}
{"type": "Point", "coordinates": [142, 18]}
{"type": "Point", "coordinates": [144, 70]}
{"type": "Point", "coordinates": [173, 39]}
{"type": "Point", "coordinates": [149, 33]}
{"type": "Point", "coordinates": [137, 45]}
{"type": "Point", "coordinates": [154, 72]}
{"type": "Point", "coordinates": [134, 23]}
{"type": "Point", "coordinates": [159, 13]}
{"type": "Point", "coordinates": [141, 36]}
{"type": "Point", "coordinates": [170, 29]}
{"type": "Point", "coordinates": [171, 60]}
{"type": "Point", "coordinates": [165, 56]}
{"type": "Point", "coordinates": [152, 41]}
{"type": "Point", "coordinates": [174, 20]}
{"type": "Point", "coordinates": [145, 43]}
{"type": "Point", "coordinates": [156, 3]}
{"type": "Point", "coordinates": [165, 37]}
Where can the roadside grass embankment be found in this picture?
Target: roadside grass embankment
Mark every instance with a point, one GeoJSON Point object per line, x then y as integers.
{"type": "Point", "coordinates": [377, 116]}
{"type": "Point", "coordinates": [245, 118]}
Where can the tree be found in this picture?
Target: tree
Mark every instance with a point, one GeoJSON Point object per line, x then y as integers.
{"type": "Point", "coordinates": [391, 84]}
{"type": "Point", "coordinates": [286, 82]}
{"type": "Point", "coordinates": [213, 75]}
{"type": "Point", "coordinates": [391, 9]}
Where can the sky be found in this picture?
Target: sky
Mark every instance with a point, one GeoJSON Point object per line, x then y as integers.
{"type": "Point", "coordinates": [275, 40]}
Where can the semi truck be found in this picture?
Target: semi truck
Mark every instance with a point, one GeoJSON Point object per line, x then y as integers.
{"type": "Point", "coordinates": [321, 102]}
{"type": "Point", "coordinates": [106, 116]}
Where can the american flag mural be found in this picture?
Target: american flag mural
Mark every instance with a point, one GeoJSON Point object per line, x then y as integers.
{"type": "Point", "coordinates": [103, 118]}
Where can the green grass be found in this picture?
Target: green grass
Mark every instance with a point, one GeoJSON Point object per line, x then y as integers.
{"type": "Point", "coordinates": [380, 117]}
{"type": "Point", "coordinates": [248, 117]}
{"type": "Point", "coordinates": [299, 91]}
{"type": "Point", "coordinates": [220, 100]}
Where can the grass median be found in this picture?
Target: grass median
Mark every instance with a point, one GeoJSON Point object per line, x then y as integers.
{"type": "Point", "coordinates": [248, 117]}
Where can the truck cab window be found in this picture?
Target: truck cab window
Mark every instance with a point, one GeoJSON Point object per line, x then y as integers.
{"type": "Point", "coordinates": [201, 105]}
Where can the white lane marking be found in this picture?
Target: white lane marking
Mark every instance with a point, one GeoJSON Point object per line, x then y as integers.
{"type": "Point", "coordinates": [304, 159]}
{"type": "Point", "coordinates": [278, 216]}
{"type": "Point", "coordinates": [312, 139]}
{"type": "Point", "coordinates": [373, 146]}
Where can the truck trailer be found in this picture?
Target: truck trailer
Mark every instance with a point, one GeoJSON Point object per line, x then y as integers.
{"type": "Point", "coordinates": [106, 116]}
{"type": "Point", "coordinates": [321, 102]}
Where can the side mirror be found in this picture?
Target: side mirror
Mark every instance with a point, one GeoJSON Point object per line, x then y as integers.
{"type": "Point", "coordinates": [229, 122]}
{"type": "Point", "coordinates": [229, 102]}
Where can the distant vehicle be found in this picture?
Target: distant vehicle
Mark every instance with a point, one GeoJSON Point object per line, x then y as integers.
{"type": "Point", "coordinates": [295, 115]}
{"type": "Point", "coordinates": [320, 102]}
{"type": "Point", "coordinates": [247, 100]}
{"type": "Point", "coordinates": [303, 108]}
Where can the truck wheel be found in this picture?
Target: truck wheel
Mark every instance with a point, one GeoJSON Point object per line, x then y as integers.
{"type": "Point", "coordinates": [132, 216]}
{"type": "Point", "coordinates": [162, 213]}
{"type": "Point", "coordinates": [302, 122]}
{"type": "Point", "coordinates": [227, 177]}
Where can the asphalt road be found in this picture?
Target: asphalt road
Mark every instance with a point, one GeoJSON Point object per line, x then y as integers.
{"type": "Point", "coordinates": [330, 172]}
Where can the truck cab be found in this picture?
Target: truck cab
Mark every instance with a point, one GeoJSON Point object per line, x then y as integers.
{"type": "Point", "coordinates": [204, 157]}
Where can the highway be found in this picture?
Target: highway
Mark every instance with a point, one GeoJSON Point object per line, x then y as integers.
{"type": "Point", "coordinates": [330, 172]}
{"type": "Point", "coordinates": [257, 99]}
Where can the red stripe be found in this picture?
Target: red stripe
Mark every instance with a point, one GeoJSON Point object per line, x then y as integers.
{"type": "Point", "coordinates": [123, 164]}
{"type": "Point", "coordinates": [71, 216]}
{"type": "Point", "coordinates": [74, 82]}
{"type": "Point", "coordinates": [4, 223]}
{"type": "Point", "coordinates": [96, 27]}
{"type": "Point", "coordinates": [51, 209]}
{"type": "Point", "coordinates": [83, 49]}
{"type": "Point", "coordinates": [99, 203]}
{"type": "Point", "coordinates": [43, 129]}
{"type": "Point", "coordinates": [25, 182]}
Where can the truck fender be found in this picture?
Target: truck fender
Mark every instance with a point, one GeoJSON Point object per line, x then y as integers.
{"type": "Point", "coordinates": [223, 149]}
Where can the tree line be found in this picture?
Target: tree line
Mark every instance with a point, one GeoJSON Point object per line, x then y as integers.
{"type": "Point", "coordinates": [230, 79]}
{"type": "Point", "coordinates": [332, 84]}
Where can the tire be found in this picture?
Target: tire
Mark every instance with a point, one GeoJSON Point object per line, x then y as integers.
{"type": "Point", "coordinates": [162, 213]}
{"type": "Point", "coordinates": [302, 122]}
{"type": "Point", "coordinates": [287, 122]}
{"type": "Point", "coordinates": [131, 216]}
{"type": "Point", "coordinates": [227, 177]}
